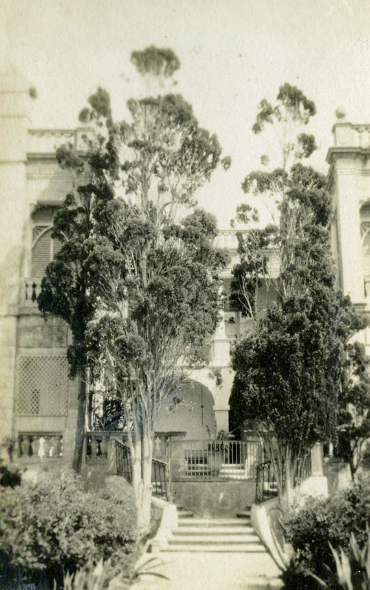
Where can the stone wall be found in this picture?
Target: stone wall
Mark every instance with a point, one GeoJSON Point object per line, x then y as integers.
{"type": "Point", "coordinates": [214, 498]}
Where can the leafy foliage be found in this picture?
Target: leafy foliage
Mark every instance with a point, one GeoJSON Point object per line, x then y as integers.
{"type": "Point", "coordinates": [322, 525]}
{"type": "Point", "coordinates": [354, 400]}
{"type": "Point", "coordinates": [289, 371]}
{"type": "Point", "coordinates": [158, 303]}
{"type": "Point", "coordinates": [155, 61]}
{"type": "Point", "coordinates": [139, 288]}
{"type": "Point", "coordinates": [291, 111]}
{"type": "Point", "coordinates": [55, 526]}
{"type": "Point", "coordinates": [353, 571]}
{"type": "Point", "coordinates": [9, 476]}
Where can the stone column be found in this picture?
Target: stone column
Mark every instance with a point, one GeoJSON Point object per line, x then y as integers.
{"type": "Point", "coordinates": [317, 460]}
{"type": "Point", "coordinates": [14, 106]}
{"type": "Point", "coordinates": [221, 344]}
{"type": "Point", "coordinates": [222, 418]}
{"type": "Point", "coordinates": [349, 232]}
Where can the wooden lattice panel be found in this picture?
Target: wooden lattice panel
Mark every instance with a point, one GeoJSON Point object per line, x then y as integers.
{"type": "Point", "coordinates": [43, 386]}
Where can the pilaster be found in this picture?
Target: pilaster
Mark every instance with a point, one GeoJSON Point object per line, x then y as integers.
{"type": "Point", "coordinates": [14, 101]}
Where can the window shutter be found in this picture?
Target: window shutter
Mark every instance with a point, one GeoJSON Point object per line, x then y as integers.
{"type": "Point", "coordinates": [42, 252]}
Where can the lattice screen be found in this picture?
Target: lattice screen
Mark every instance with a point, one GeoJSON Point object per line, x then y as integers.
{"type": "Point", "coordinates": [43, 386]}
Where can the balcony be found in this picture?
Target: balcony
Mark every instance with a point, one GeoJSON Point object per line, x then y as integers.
{"type": "Point", "coordinates": [29, 292]}
{"type": "Point", "coordinates": [42, 142]}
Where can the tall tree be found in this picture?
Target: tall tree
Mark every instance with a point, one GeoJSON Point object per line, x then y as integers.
{"type": "Point", "coordinates": [159, 304]}
{"type": "Point", "coordinates": [151, 281]}
{"type": "Point", "coordinates": [288, 372]}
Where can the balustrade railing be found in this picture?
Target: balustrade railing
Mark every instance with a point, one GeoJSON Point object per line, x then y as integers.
{"type": "Point", "coordinates": [214, 460]}
{"type": "Point", "coordinates": [208, 460]}
{"type": "Point", "coordinates": [46, 141]}
{"type": "Point", "coordinates": [32, 288]}
{"type": "Point", "coordinates": [39, 445]}
{"type": "Point", "coordinates": [97, 443]}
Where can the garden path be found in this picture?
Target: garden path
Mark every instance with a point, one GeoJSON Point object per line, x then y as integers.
{"type": "Point", "coordinates": [213, 571]}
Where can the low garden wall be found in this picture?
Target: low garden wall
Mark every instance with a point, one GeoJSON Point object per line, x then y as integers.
{"type": "Point", "coordinates": [214, 498]}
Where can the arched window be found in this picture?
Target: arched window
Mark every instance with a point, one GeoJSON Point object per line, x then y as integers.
{"type": "Point", "coordinates": [44, 249]}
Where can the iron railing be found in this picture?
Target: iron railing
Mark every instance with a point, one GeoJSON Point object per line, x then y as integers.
{"type": "Point", "coordinates": [213, 460]}
{"type": "Point", "coordinates": [123, 460]}
{"type": "Point", "coordinates": [266, 483]}
{"type": "Point", "coordinates": [160, 474]}
{"type": "Point", "coordinates": [160, 479]}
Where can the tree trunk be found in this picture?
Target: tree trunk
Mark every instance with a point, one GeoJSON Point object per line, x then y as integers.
{"type": "Point", "coordinates": [80, 427]}
{"type": "Point", "coordinates": [289, 479]}
{"type": "Point", "coordinates": [142, 481]}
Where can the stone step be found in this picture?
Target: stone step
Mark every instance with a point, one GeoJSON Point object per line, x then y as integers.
{"type": "Point", "coordinates": [182, 513]}
{"type": "Point", "coordinates": [244, 514]}
{"type": "Point", "coordinates": [221, 548]}
{"type": "Point", "coordinates": [210, 522]}
{"type": "Point", "coordinates": [242, 529]}
{"type": "Point", "coordinates": [218, 539]}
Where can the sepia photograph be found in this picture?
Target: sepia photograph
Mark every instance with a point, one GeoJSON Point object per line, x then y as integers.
{"type": "Point", "coordinates": [184, 295]}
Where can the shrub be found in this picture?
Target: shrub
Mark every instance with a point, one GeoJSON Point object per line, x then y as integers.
{"type": "Point", "coordinates": [56, 526]}
{"type": "Point", "coordinates": [9, 476]}
{"type": "Point", "coordinates": [322, 523]}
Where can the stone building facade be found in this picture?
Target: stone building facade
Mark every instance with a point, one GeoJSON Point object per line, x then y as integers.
{"type": "Point", "coordinates": [349, 184]}
{"type": "Point", "coordinates": [37, 399]}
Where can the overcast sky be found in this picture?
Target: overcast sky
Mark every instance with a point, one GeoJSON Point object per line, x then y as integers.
{"type": "Point", "coordinates": [232, 53]}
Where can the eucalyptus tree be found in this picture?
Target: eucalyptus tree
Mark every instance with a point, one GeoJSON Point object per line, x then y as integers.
{"type": "Point", "coordinates": [148, 276]}
{"type": "Point", "coordinates": [289, 370]}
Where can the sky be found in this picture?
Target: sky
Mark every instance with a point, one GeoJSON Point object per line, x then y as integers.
{"type": "Point", "coordinates": [233, 53]}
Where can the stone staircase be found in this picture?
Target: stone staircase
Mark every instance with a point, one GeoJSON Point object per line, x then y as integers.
{"type": "Point", "coordinates": [214, 535]}
{"type": "Point", "coordinates": [218, 553]}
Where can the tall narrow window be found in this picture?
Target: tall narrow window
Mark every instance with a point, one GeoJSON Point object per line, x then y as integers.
{"type": "Point", "coordinates": [44, 249]}
{"type": "Point", "coordinates": [365, 237]}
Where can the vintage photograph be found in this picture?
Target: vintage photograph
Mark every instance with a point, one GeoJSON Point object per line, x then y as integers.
{"type": "Point", "coordinates": [185, 294]}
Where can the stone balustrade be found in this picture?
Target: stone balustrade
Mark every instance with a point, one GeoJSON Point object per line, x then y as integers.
{"type": "Point", "coordinates": [97, 442]}
{"type": "Point", "coordinates": [351, 135]}
{"type": "Point", "coordinates": [47, 141]}
{"type": "Point", "coordinates": [30, 292]}
{"type": "Point", "coordinates": [227, 239]}
{"type": "Point", "coordinates": [42, 446]}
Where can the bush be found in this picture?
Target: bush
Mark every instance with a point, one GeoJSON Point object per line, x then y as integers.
{"type": "Point", "coordinates": [320, 522]}
{"type": "Point", "coordinates": [9, 476]}
{"type": "Point", "coordinates": [56, 526]}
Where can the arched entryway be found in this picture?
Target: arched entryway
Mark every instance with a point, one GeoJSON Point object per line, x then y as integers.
{"type": "Point", "coordinates": [192, 412]}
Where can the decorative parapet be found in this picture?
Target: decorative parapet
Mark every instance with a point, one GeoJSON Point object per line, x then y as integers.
{"type": "Point", "coordinates": [47, 141]}
{"type": "Point", "coordinates": [351, 135]}
{"type": "Point", "coordinates": [227, 239]}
